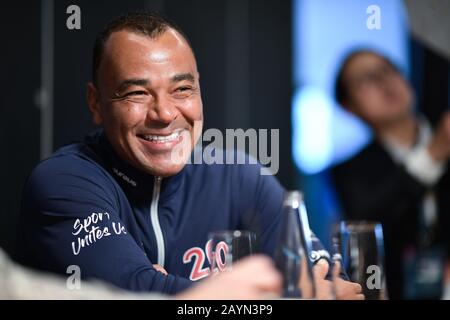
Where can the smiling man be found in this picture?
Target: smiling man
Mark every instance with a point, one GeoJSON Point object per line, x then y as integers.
{"type": "Point", "coordinates": [133, 71]}
{"type": "Point", "coordinates": [123, 205]}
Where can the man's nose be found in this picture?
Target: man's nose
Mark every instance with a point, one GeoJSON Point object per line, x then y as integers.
{"type": "Point", "coordinates": [163, 110]}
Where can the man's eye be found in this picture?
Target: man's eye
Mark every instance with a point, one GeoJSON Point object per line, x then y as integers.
{"type": "Point", "coordinates": [183, 89]}
{"type": "Point", "coordinates": [135, 93]}
{"type": "Point", "coordinates": [183, 92]}
{"type": "Point", "coordinates": [138, 96]}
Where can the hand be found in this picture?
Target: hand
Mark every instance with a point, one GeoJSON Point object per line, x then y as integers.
{"type": "Point", "coordinates": [324, 288]}
{"type": "Point", "coordinates": [252, 278]}
{"type": "Point", "coordinates": [160, 269]}
{"type": "Point", "coordinates": [439, 147]}
{"type": "Point", "coordinates": [345, 290]}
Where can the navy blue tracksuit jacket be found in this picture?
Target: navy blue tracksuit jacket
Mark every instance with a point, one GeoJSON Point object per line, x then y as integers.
{"type": "Point", "coordinates": [84, 206]}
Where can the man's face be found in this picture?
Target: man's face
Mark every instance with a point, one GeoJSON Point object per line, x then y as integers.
{"type": "Point", "coordinates": [148, 100]}
{"type": "Point", "coordinates": [376, 91]}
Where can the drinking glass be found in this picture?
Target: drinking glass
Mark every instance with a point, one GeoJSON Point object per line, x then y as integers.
{"type": "Point", "coordinates": [294, 248]}
{"type": "Point", "coordinates": [359, 250]}
{"type": "Point", "coordinates": [228, 246]}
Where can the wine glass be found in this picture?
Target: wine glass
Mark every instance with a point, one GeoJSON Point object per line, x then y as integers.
{"type": "Point", "coordinates": [359, 251]}
{"type": "Point", "coordinates": [228, 246]}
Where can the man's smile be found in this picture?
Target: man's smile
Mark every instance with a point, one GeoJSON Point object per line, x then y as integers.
{"type": "Point", "coordinates": [161, 142]}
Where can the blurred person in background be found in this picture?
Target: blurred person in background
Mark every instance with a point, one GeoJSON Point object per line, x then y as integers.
{"type": "Point", "coordinates": [401, 178]}
{"type": "Point", "coordinates": [124, 205]}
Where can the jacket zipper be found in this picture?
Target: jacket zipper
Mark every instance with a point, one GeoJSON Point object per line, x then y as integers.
{"type": "Point", "coordinates": [155, 221]}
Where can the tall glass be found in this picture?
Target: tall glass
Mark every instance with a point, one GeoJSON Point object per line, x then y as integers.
{"type": "Point", "coordinates": [294, 247]}
{"type": "Point", "coordinates": [228, 246]}
{"type": "Point", "coordinates": [359, 250]}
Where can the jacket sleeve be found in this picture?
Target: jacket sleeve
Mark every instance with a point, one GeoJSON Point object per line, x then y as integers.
{"type": "Point", "coordinates": [262, 198]}
{"type": "Point", "coordinates": [70, 217]}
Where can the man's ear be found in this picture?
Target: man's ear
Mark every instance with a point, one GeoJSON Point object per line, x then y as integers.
{"type": "Point", "coordinates": [93, 99]}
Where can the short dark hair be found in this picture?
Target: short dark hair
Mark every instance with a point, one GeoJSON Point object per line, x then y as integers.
{"type": "Point", "coordinates": [340, 87]}
{"type": "Point", "coordinates": [148, 23]}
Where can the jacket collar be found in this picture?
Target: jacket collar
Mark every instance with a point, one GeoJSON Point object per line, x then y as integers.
{"type": "Point", "coordinates": [132, 180]}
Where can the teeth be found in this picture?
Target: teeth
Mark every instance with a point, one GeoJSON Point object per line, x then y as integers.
{"type": "Point", "coordinates": [162, 139]}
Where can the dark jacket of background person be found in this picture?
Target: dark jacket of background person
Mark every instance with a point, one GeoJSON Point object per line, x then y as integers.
{"type": "Point", "coordinates": [371, 186]}
{"type": "Point", "coordinates": [81, 181]}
